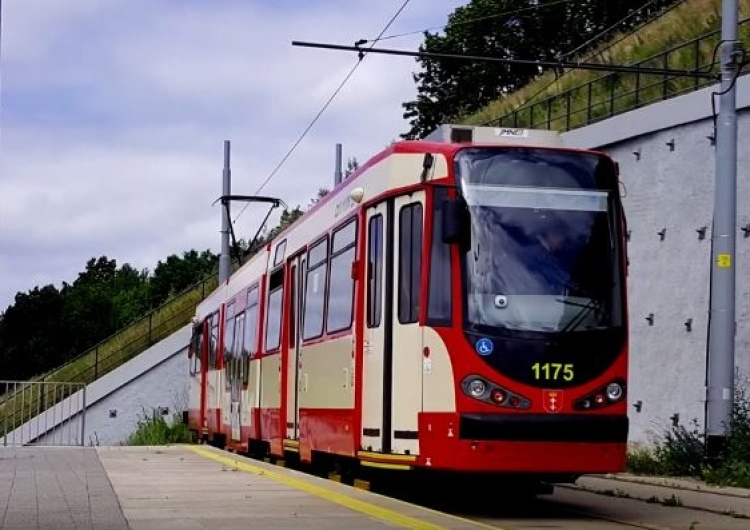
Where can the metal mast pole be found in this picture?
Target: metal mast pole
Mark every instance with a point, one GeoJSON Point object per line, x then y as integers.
{"type": "Point", "coordinates": [338, 174]}
{"type": "Point", "coordinates": [720, 391]}
{"type": "Point", "coordinates": [225, 260]}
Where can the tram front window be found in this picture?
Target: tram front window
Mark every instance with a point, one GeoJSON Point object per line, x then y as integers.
{"type": "Point", "coordinates": [542, 254]}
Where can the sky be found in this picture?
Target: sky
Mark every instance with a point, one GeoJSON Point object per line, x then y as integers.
{"type": "Point", "coordinates": [114, 113]}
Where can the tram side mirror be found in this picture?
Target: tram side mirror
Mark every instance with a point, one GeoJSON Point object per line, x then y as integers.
{"type": "Point", "coordinates": [455, 222]}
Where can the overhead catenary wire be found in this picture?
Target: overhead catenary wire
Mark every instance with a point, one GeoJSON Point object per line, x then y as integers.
{"type": "Point", "coordinates": [325, 106]}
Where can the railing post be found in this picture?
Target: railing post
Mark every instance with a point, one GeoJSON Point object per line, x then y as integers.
{"type": "Point", "coordinates": [150, 322]}
{"type": "Point", "coordinates": [697, 64]}
{"type": "Point", "coordinates": [96, 363]}
{"type": "Point", "coordinates": [588, 105]}
{"type": "Point", "coordinates": [567, 113]}
{"type": "Point", "coordinates": [549, 113]}
{"type": "Point", "coordinates": [83, 417]}
{"type": "Point", "coordinates": [665, 64]}
{"type": "Point", "coordinates": [612, 95]}
{"type": "Point", "coordinates": [637, 88]}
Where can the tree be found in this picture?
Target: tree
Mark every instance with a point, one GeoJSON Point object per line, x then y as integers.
{"type": "Point", "coordinates": [352, 165]}
{"type": "Point", "coordinates": [101, 300]}
{"type": "Point", "coordinates": [448, 89]}
{"type": "Point", "coordinates": [177, 273]}
{"type": "Point", "coordinates": [322, 192]}
{"type": "Point", "coordinates": [31, 334]}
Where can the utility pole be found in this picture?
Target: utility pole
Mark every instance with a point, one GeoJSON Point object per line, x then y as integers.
{"type": "Point", "coordinates": [338, 175]}
{"type": "Point", "coordinates": [720, 390]}
{"type": "Point", "coordinates": [225, 260]}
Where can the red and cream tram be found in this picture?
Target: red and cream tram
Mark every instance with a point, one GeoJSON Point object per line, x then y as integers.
{"type": "Point", "coordinates": [457, 304]}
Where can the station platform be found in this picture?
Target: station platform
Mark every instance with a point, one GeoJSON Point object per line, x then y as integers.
{"type": "Point", "coordinates": [187, 487]}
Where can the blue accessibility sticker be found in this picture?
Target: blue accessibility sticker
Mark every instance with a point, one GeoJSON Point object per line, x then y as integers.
{"type": "Point", "coordinates": [484, 346]}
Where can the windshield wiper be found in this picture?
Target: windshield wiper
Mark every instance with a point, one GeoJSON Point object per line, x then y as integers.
{"type": "Point", "coordinates": [579, 317]}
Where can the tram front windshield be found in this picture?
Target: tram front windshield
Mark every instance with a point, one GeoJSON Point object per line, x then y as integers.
{"type": "Point", "coordinates": [543, 253]}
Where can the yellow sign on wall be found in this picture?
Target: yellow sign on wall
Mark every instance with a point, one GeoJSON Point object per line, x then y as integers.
{"type": "Point", "coordinates": [724, 261]}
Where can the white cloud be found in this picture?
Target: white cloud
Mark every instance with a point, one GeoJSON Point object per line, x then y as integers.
{"type": "Point", "coordinates": [114, 114]}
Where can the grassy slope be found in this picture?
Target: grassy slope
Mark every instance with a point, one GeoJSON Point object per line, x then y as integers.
{"type": "Point", "coordinates": [687, 21]}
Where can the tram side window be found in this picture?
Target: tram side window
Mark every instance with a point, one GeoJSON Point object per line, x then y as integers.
{"type": "Point", "coordinates": [375, 272]}
{"type": "Point", "coordinates": [250, 339]}
{"type": "Point", "coordinates": [213, 345]}
{"type": "Point", "coordinates": [228, 343]}
{"type": "Point", "coordinates": [237, 358]}
{"type": "Point", "coordinates": [315, 286]}
{"type": "Point", "coordinates": [439, 307]}
{"type": "Point", "coordinates": [273, 319]}
{"type": "Point", "coordinates": [251, 325]}
{"type": "Point", "coordinates": [341, 286]}
{"type": "Point", "coordinates": [410, 262]}
{"type": "Point", "coordinates": [196, 349]}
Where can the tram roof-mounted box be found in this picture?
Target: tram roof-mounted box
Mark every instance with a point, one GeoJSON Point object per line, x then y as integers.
{"type": "Point", "coordinates": [452, 133]}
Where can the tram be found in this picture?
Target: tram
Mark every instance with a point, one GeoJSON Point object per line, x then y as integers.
{"type": "Point", "coordinates": [458, 304]}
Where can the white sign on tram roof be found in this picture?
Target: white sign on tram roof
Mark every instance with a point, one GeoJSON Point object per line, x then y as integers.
{"type": "Point", "coordinates": [453, 133]}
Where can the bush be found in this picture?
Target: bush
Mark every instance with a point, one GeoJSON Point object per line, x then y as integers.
{"type": "Point", "coordinates": [643, 461]}
{"type": "Point", "coordinates": [154, 429]}
{"type": "Point", "coordinates": [682, 452]}
{"type": "Point", "coordinates": [735, 469]}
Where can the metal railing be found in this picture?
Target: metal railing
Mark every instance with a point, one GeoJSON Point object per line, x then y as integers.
{"type": "Point", "coordinates": [616, 93]}
{"type": "Point", "coordinates": [46, 413]}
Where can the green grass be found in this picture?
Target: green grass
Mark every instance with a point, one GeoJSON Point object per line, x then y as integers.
{"type": "Point", "coordinates": [154, 429]}
{"type": "Point", "coordinates": [582, 97]}
{"type": "Point", "coordinates": [681, 452]}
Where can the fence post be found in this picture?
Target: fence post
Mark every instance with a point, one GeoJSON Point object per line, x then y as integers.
{"type": "Point", "coordinates": [150, 321]}
{"type": "Point", "coordinates": [549, 113]}
{"type": "Point", "coordinates": [588, 105]}
{"type": "Point", "coordinates": [637, 87]}
{"type": "Point", "coordinates": [697, 64]}
{"type": "Point", "coordinates": [665, 64]}
{"type": "Point", "coordinates": [567, 113]}
{"type": "Point", "coordinates": [83, 417]}
{"type": "Point", "coordinates": [96, 363]}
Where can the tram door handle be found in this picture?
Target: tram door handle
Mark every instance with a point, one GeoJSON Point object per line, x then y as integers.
{"type": "Point", "coordinates": [303, 383]}
{"type": "Point", "coordinates": [346, 377]}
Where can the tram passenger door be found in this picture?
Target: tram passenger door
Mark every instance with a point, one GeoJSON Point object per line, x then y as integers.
{"type": "Point", "coordinates": [392, 382]}
{"type": "Point", "coordinates": [236, 368]}
{"type": "Point", "coordinates": [297, 267]}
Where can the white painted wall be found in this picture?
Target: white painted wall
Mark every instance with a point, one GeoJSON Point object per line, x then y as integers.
{"type": "Point", "coordinates": [670, 278]}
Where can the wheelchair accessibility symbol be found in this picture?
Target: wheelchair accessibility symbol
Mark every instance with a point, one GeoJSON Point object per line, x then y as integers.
{"type": "Point", "coordinates": [484, 346]}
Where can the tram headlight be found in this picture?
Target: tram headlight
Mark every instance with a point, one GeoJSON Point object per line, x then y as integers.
{"type": "Point", "coordinates": [477, 388]}
{"type": "Point", "coordinates": [614, 391]}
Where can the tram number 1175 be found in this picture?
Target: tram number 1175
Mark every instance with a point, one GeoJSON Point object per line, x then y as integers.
{"type": "Point", "coordinates": [553, 371]}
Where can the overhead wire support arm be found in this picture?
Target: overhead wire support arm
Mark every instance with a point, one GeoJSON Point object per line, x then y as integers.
{"type": "Point", "coordinates": [489, 59]}
{"type": "Point", "coordinates": [226, 199]}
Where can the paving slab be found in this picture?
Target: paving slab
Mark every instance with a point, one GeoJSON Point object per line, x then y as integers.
{"type": "Point", "coordinates": [176, 488]}
{"type": "Point", "coordinates": [56, 488]}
